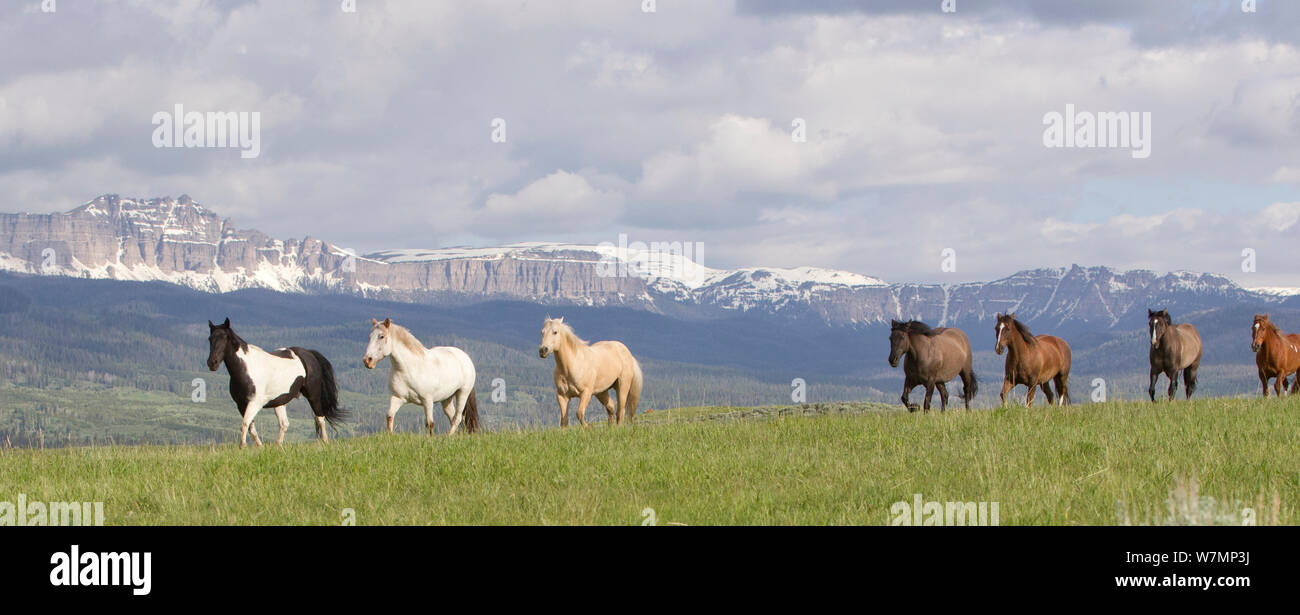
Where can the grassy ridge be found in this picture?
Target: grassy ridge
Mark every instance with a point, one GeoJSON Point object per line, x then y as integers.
{"type": "Point", "coordinates": [1071, 466]}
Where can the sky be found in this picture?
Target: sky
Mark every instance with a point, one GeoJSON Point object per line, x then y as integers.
{"type": "Point", "coordinates": [924, 154]}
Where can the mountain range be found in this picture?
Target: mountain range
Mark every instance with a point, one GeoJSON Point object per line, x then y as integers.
{"type": "Point", "coordinates": [179, 241]}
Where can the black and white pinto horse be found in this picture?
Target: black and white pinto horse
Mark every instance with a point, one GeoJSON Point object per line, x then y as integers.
{"type": "Point", "coordinates": [261, 379]}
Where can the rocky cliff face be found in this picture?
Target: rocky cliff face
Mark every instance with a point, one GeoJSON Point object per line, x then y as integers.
{"type": "Point", "coordinates": [179, 241]}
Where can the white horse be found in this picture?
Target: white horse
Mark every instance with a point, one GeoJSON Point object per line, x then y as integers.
{"type": "Point", "coordinates": [424, 376]}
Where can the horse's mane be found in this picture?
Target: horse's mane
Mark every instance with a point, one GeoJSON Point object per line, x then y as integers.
{"type": "Point", "coordinates": [1024, 331]}
{"type": "Point", "coordinates": [405, 338]}
{"type": "Point", "coordinates": [567, 330]}
{"type": "Point", "coordinates": [1271, 325]}
{"type": "Point", "coordinates": [915, 327]}
{"type": "Point", "coordinates": [239, 341]}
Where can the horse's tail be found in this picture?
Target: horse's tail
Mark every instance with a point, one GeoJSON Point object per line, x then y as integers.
{"type": "Point", "coordinates": [972, 387]}
{"type": "Point", "coordinates": [469, 417]}
{"type": "Point", "coordinates": [329, 393]}
{"type": "Point", "coordinates": [634, 391]}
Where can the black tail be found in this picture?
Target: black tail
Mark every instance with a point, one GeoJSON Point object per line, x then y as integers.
{"type": "Point", "coordinates": [470, 418]}
{"type": "Point", "coordinates": [972, 386]}
{"type": "Point", "coordinates": [329, 393]}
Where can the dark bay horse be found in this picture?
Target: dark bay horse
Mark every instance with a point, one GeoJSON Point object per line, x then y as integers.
{"type": "Point", "coordinates": [1034, 361]}
{"type": "Point", "coordinates": [1277, 355]}
{"type": "Point", "coordinates": [1174, 348]}
{"type": "Point", "coordinates": [931, 357]}
{"type": "Point", "coordinates": [261, 379]}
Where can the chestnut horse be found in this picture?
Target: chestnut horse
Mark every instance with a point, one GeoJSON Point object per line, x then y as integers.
{"type": "Point", "coordinates": [1276, 354]}
{"type": "Point", "coordinates": [1034, 361]}
{"type": "Point", "coordinates": [1173, 348]}
{"type": "Point", "coordinates": [933, 357]}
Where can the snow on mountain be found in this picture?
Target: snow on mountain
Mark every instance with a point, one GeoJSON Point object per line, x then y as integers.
{"type": "Point", "coordinates": [180, 242]}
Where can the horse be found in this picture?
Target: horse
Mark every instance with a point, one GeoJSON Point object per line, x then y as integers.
{"type": "Point", "coordinates": [1277, 355]}
{"type": "Point", "coordinates": [261, 379]}
{"type": "Point", "coordinates": [424, 376]}
{"type": "Point", "coordinates": [583, 370]}
{"type": "Point", "coordinates": [931, 357]}
{"type": "Point", "coordinates": [1173, 348]}
{"type": "Point", "coordinates": [1034, 361]}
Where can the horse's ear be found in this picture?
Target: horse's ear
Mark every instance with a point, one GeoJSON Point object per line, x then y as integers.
{"type": "Point", "coordinates": [1150, 313]}
{"type": "Point", "coordinates": [227, 323]}
{"type": "Point", "coordinates": [373, 322]}
{"type": "Point", "coordinates": [1011, 315]}
{"type": "Point", "coordinates": [388, 322]}
{"type": "Point", "coordinates": [560, 319]}
{"type": "Point", "coordinates": [211, 326]}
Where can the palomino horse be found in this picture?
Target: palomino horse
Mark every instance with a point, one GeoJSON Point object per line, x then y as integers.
{"type": "Point", "coordinates": [1276, 354]}
{"type": "Point", "coordinates": [261, 379]}
{"type": "Point", "coordinates": [583, 370]}
{"type": "Point", "coordinates": [1173, 348]}
{"type": "Point", "coordinates": [931, 357]}
{"type": "Point", "coordinates": [424, 376]}
{"type": "Point", "coordinates": [1032, 361]}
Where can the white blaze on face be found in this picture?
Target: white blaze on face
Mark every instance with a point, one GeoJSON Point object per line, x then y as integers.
{"type": "Point", "coordinates": [1001, 326]}
{"type": "Point", "coordinates": [1153, 332]}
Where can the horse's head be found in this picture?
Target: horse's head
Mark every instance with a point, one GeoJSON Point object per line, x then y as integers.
{"type": "Point", "coordinates": [1002, 331]}
{"type": "Point", "coordinates": [1159, 323]}
{"type": "Point", "coordinates": [220, 338]}
{"type": "Point", "coordinates": [553, 331]}
{"type": "Point", "coordinates": [381, 342]}
{"type": "Point", "coordinates": [899, 343]}
{"type": "Point", "coordinates": [1258, 330]}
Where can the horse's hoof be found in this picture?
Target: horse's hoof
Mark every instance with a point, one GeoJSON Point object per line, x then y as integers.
{"type": "Point", "coordinates": [913, 407]}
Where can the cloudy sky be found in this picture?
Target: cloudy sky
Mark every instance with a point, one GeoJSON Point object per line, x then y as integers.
{"type": "Point", "coordinates": [924, 129]}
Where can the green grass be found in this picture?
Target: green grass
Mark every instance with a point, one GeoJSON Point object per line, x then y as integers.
{"type": "Point", "coordinates": [1043, 466]}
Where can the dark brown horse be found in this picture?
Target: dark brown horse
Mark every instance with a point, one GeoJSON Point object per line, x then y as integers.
{"type": "Point", "coordinates": [1032, 361]}
{"type": "Point", "coordinates": [1276, 354]}
{"type": "Point", "coordinates": [1174, 348]}
{"type": "Point", "coordinates": [931, 357]}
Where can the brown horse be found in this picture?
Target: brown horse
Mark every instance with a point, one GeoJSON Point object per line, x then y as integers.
{"type": "Point", "coordinates": [932, 358]}
{"type": "Point", "coordinates": [1032, 361]}
{"type": "Point", "coordinates": [1276, 354]}
{"type": "Point", "coordinates": [1173, 348]}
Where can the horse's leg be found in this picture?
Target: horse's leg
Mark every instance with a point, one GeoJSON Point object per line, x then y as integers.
{"type": "Point", "coordinates": [394, 403]}
{"type": "Point", "coordinates": [282, 416]}
{"type": "Point", "coordinates": [320, 429]}
{"type": "Point", "coordinates": [1155, 377]}
{"type": "Point", "coordinates": [622, 400]}
{"type": "Point", "coordinates": [1062, 389]}
{"type": "Point", "coordinates": [1189, 379]}
{"type": "Point", "coordinates": [246, 422]}
{"type": "Point", "coordinates": [929, 393]}
{"type": "Point", "coordinates": [1263, 383]}
{"type": "Point", "coordinates": [1278, 383]}
{"type": "Point", "coordinates": [564, 410]}
{"type": "Point", "coordinates": [968, 387]}
{"type": "Point", "coordinates": [1029, 399]}
{"type": "Point", "coordinates": [252, 431]}
{"type": "Point", "coordinates": [603, 396]}
{"type": "Point", "coordinates": [428, 416]}
{"type": "Point", "coordinates": [462, 402]}
{"type": "Point", "coordinates": [943, 396]}
{"type": "Point", "coordinates": [583, 400]}
{"type": "Point", "coordinates": [1006, 388]}
{"type": "Point", "coordinates": [908, 385]}
{"type": "Point", "coordinates": [449, 408]}
{"type": "Point", "coordinates": [1047, 392]}
{"type": "Point", "coordinates": [1172, 375]}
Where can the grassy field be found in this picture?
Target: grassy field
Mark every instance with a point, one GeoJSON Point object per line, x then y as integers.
{"type": "Point", "coordinates": [840, 464]}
